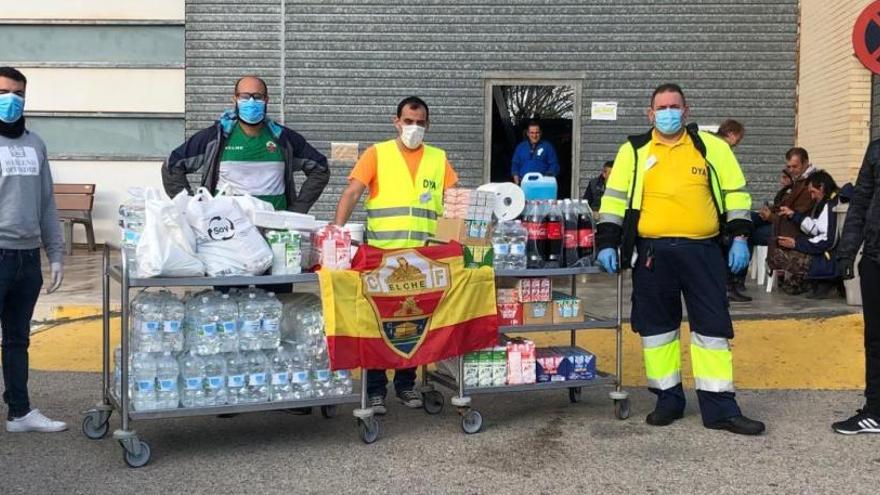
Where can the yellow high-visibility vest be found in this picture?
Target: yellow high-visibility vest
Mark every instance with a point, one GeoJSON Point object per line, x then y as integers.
{"type": "Point", "coordinates": [404, 213]}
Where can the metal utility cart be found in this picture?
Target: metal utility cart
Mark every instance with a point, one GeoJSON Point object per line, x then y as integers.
{"type": "Point", "coordinates": [472, 420]}
{"type": "Point", "coordinates": [136, 452]}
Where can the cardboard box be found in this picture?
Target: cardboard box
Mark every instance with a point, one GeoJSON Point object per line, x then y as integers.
{"type": "Point", "coordinates": [564, 363]}
{"type": "Point", "coordinates": [506, 296]}
{"type": "Point", "coordinates": [458, 229]}
{"type": "Point", "coordinates": [534, 289]}
{"type": "Point", "coordinates": [537, 313]}
{"type": "Point", "coordinates": [510, 314]}
{"type": "Point", "coordinates": [520, 361]}
{"type": "Point", "coordinates": [567, 309]}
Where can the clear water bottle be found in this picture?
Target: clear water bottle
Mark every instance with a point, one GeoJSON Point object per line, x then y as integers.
{"type": "Point", "coordinates": [167, 375]}
{"type": "Point", "coordinates": [280, 361]}
{"type": "Point", "coordinates": [251, 316]}
{"type": "Point", "coordinates": [206, 340]}
{"type": "Point", "coordinates": [173, 314]}
{"type": "Point", "coordinates": [257, 389]}
{"type": "Point", "coordinates": [227, 324]}
{"type": "Point", "coordinates": [342, 382]}
{"type": "Point", "coordinates": [192, 380]}
{"type": "Point", "coordinates": [518, 236]}
{"type": "Point", "coordinates": [322, 377]}
{"type": "Point", "coordinates": [143, 371]}
{"type": "Point", "coordinates": [131, 225]}
{"type": "Point", "coordinates": [215, 380]}
{"type": "Point", "coordinates": [146, 323]}
{"type": "Point", "coordinates": [236, 374]}
{"type": "Point", "coordinates": [301, 385]}
{"type": "Point", "coordinates": [270, 327]}
{"type": "Point", "coordinates": [501, 246]}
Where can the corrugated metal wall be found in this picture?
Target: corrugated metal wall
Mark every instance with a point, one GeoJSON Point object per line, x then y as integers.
{"type": "Point", "coordinates": [349, 62]}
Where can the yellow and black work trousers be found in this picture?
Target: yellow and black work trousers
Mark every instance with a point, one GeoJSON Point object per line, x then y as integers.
{"type": "Point", "coordinates": [666, 270]}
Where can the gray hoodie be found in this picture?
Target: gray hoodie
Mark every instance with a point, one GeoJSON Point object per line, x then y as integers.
{"type": "Point", "coordinates": [27, 208]}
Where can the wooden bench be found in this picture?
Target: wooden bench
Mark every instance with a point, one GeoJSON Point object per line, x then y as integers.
{"type": "Point", "coordinates": [74, 203]}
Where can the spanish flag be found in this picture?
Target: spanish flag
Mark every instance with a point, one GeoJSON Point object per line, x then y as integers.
{"type": "Point", "coordinates": [407, 307]}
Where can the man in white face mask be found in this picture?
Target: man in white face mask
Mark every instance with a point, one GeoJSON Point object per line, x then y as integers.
{"type": "Point", "coordinates": [406, 179]}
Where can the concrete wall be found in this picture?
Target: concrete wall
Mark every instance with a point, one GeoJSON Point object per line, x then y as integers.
{"type": "Point", "coordinates": [834, 89]}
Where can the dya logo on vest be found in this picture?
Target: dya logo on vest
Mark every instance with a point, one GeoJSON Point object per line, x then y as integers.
{"type": "Point", "coordinates": [429, 184]}
{"type": "Point", "coordinates": [221, 229]}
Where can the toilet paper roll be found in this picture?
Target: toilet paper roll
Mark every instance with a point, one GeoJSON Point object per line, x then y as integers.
{"type": "Point", "coordinates": [509, 199]}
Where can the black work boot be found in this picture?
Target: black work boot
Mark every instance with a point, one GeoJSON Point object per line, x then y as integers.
{"type": "Point", "coordinates": [823, 290]}
{"type": "Point", "coordinates": [734, 295]}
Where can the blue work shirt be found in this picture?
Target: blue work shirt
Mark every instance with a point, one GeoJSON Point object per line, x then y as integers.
{"type": "Point", "coordinates": [542, 158]}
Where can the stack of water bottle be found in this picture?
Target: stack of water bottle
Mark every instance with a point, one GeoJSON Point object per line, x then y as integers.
{"type": "Point", "coordinates": [217, 349]}
{"type": "Point", "coordinates": [131, 223]}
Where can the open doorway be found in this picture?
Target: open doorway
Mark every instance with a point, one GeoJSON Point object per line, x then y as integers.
{"type": "Point", "coordinates": [515, 104]}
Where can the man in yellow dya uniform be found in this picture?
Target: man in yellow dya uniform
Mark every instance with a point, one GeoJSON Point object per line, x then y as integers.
{"type": "Point", "coordinates": [673, 193]}
{"type": "Point", "coordinates": [406, 179]}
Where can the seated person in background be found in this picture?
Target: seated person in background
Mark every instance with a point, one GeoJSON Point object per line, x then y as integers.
{"type": "Point", "coordinates": [819, 236]}
{"type": "Point", "coordinates": [596, 187]}
{"type": "Point", "coordinates": [762, 227]}
{"type": "Point", "coordinates": [799, 200]}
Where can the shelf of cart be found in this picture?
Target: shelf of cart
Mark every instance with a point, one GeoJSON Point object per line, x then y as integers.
{"type": "Point", "coordinates": [549, 272]}
{"type": "Point", "coordinates": [184, 412]}
{"type": "Point", "coordinates": [300, 278]}
{"type": "Point", "coordinates": [600, 380]}
{"type": "Point", "coordinates": [561, 327]}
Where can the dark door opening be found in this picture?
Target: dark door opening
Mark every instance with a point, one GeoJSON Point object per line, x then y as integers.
{"type": "Point", "coordinates": [513, 107]}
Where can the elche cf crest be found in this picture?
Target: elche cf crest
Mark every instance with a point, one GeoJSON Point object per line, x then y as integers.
{"type": "Point", "coordinates": [404, 291]}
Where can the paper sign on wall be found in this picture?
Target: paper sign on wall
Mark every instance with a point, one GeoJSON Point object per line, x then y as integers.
{"type": "Point", "coordinates": [604, 110]}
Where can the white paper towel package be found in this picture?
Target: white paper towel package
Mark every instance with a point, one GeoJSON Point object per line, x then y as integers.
{"type": "Point", "coordinates": [509, 199]}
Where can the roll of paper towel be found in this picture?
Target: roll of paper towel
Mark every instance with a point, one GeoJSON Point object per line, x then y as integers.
{"type": "Point", "coordinates": [509, 199]}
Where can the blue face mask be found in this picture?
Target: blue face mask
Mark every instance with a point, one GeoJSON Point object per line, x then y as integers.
{"type": "Point", "coordinates": [11, 107]}
{"type": "Point", "coordinates": [668, 120]}
{"type": "Point", "coordinates": [252, 111]}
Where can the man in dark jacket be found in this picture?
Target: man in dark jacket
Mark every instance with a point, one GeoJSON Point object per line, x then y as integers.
{"type": "Point", "coordinates": [249, 153]}
{"type": "Point", "coordinates": [862, 230]}
{"type": "Point", "coordinates": [596, 187]}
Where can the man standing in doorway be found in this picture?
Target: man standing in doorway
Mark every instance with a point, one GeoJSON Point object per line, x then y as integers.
{"type": "Point", "coordinates": [596, 187]}
{"type": "Point", "coordinates": [406, 179]}
{"type": "Point", "coordinates": [671, 194]}
{"type": "Point", "coordinates": [862, 230]}
{"type": "Point", "coordinates": [28, 219]}
{"type": "Point", "coordinates": [534, 155]}
{"type": "Point", "coordinates": [250, 153]}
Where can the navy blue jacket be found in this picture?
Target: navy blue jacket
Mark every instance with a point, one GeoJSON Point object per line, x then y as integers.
{"type": "Point", "coordinates": [201, 154]}
{"type": "Point", "coordinates": [541, 159]}
{"type": "Point", "coordinates": [819, 238]}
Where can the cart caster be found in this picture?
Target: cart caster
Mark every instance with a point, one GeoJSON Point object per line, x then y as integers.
{"type": "Point", "coordinates": [433, 402]}
{"type": "Point", "coordinates": [328, 411]}
{"type": "Point", "coordinates": [621, 409]}
{"type": "Point", "coordinates": [139, 458]}
{"type": "Point", "coordinates": [369, 429]}
{"type": "Point", "coordinates": [96, 425]}
{"type": "Point", "coordinates": [471, 421]}
{"type": "Point", "coordinates": [574, 394]}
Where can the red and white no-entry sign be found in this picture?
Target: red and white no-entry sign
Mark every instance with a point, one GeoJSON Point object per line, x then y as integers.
{"type": "Point", "coordinates": [866, 37]}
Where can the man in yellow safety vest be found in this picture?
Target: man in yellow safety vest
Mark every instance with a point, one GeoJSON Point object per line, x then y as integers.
{"type": "Point", "coordinates": [673, 194]}
{"type": "Point", "coordinates": [406, 179]}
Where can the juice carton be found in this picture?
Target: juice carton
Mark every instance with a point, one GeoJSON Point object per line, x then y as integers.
{"type": "Point", "coordinates": [472, 370]}
{"type": "Point", "coordinates": [499, 366]}
{"type": "Point", "coordinates": [486, 368]}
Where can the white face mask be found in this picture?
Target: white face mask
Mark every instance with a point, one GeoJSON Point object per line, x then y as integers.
{"type": "Point", "coordinates": [412, 136]}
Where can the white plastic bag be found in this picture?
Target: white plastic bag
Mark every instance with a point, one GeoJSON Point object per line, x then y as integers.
{"type": "Point", "coordinates": [167, 246]}
{"type": "Point", "coordinates": [226, 240]}
{"type": "Point", "coordinates": [248, 204]}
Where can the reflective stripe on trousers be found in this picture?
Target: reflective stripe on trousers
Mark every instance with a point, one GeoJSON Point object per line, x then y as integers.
{"type": "Point", "coordinates": [662, 359]}
{"type": "Point", "coordinates": [712, 362]}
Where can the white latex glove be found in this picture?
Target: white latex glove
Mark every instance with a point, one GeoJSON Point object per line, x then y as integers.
{"type": "Point", "coordinates": [57, 276]}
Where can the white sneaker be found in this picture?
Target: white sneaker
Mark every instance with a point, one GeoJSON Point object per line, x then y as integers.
{"type": "Point", "coordinates": [34, 421]}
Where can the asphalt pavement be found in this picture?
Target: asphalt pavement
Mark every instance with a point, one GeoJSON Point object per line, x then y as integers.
{"type": "Point", "coordinates": [531, 443]}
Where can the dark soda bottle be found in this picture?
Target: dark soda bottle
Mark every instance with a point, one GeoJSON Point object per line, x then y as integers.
{"type": "Point", "coordinates": [586, 232]}
{"type": "Point", "coordinates": [534, 224]}
{"type": "Point", "coordinates": [554, 255]}
{"type": "Point", "coordinates": [570, 232]}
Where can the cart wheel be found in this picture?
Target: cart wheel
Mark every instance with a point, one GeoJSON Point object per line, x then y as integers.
{"type": "Point", "coordinates": [621, 409]}
{"type": "Point", "coordinates": [369, 429]}
{"type": "Point", "coordinates": [328, 411]}
{"type": "Point", "coordinates": [574, 394]}
{"type": "Point", "coordinates": [472, 422]}
{"type": "Point", "coordinates": [93, 428]}
{"type": "Point", "coordinates": [433, 402]}
{"type": "Point", "coordinates": [140, 460]}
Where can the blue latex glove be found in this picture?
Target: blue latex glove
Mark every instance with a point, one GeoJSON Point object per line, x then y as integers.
{"type": "Point", "coordinates": [608, 260]}
{"type": "Point", "coordinates": [738, 257]}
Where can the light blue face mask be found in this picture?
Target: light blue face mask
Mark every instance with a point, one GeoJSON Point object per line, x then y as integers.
{"type": "Point", "coordinates": [252, 111]}
{"type": "Point", "coordinates": [668, 120]}
{"type": "Point", "coordinates": [11, 107]}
